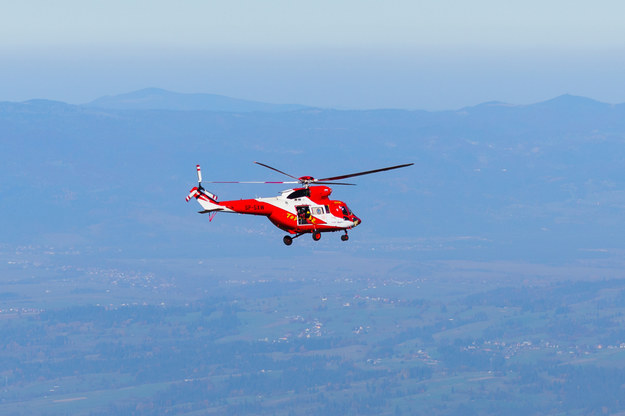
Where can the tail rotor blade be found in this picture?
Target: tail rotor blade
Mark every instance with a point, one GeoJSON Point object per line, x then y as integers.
{"type": "Point", "coordinates": [193, 193]}
{"type": "Point", "coordinates": [199, 174]}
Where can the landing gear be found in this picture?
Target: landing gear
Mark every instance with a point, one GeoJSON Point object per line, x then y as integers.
{"type": "Point", "coordinates": [288, 240]}
{"type": "Point", "coordinates": [316, 236]}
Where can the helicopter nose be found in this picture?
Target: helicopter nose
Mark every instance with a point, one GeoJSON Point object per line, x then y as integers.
{"type": "Point", "coordinates": [356, 221]}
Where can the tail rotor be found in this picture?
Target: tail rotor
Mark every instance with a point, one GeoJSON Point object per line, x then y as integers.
{"type": "Point", "coordinates": [199, 191]}
{"type": "Point", "coordinates": [195, 191]}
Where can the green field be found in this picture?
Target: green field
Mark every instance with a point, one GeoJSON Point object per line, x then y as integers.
{"type": "Point", "coordinates": [98, 342]}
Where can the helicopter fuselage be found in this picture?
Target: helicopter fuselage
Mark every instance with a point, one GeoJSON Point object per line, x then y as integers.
{"type": "Point", "coordinates": [297, 211]}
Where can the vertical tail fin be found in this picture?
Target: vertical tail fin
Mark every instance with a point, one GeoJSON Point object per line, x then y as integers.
{"type": "Point", "coordinates": [207, 200]}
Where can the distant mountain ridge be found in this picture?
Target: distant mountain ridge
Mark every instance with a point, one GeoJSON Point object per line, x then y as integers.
{"type": "Point", "coordinates": [529, 179]}
{"type": "Point", "coordinates": [160, 99]}
{"type": "Point", "coordinates": [565, 102]}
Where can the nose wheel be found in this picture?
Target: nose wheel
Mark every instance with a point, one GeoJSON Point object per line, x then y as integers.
{"type": "Point", "coordinates": [345, 237]}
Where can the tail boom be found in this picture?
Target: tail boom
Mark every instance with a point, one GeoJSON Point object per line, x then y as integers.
{"type": "Point", "coordinates": [207, 200]}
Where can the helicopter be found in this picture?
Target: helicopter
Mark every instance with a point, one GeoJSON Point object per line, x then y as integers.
{"type": "Point", "coordinates": [306, 209]}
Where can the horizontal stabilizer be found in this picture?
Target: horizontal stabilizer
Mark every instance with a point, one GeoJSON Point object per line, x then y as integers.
{"type": "Point", "coordinates": [207, 211]}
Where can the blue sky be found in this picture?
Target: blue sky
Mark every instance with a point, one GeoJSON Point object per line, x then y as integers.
{"type": "Point", "coordinates": [346, 54]}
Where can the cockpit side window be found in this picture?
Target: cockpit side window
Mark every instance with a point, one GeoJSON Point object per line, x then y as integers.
{"type": "Point", "coordinates": [299, 193]}
{"type": "Point", "coordinates": [317, 210]}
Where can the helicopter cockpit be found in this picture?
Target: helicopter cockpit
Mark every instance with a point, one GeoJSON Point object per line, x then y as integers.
{"type": "Point", "coordinates": [341, 209]}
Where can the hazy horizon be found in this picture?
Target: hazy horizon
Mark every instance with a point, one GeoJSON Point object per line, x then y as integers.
{"type": "Point", "coordinates": [339, 106]}
{"type": "Point", "coordinates": [350, 55]}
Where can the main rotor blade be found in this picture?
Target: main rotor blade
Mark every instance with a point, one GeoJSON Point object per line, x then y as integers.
{"type": "Point", "coordinates": [331, 183]}
{"type": "Point", "coordinates": [279, 171]}
{"type": "Point", "coordinates": [335, 178]}
{"type": "Point", "coordinates": [252, 182]}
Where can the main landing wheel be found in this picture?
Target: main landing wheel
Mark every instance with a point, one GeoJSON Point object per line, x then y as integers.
{"type": "Point", "coordinates": [344, 237]}
{"type": "Point", "coordinates": [287, 240]}
{"type": "Point", "coordinates": [316, 235]}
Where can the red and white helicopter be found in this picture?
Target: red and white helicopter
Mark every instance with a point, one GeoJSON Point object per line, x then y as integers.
{"type": "Point", "coordinates": [298, 211]}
